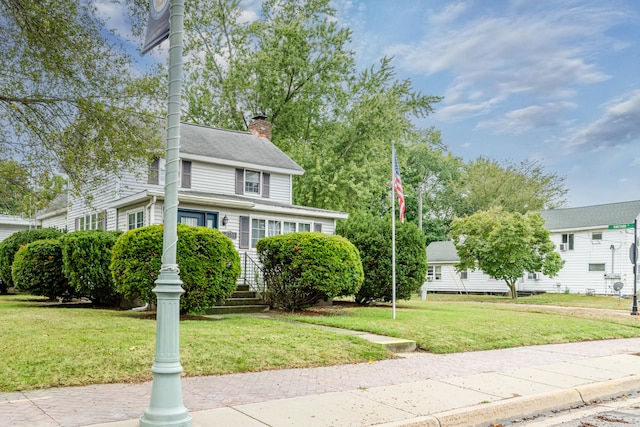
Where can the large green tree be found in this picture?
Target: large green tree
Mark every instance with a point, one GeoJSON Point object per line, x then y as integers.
{"type": "Point", "coordinates": [520, 187]}
{"type": "Point", "coordinates": [71, 97]}
{"type": "Point", "coordinates": [293, 64]}
{"type": "Point", "coordinates": [23, 194]}
{"type": "Point", "coordinates": [505, 245]}
{"type": "Point", "coordinates": [432, 175]}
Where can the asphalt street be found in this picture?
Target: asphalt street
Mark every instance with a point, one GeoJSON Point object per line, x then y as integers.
{"type": "Point", "coordinates": [618, 411]}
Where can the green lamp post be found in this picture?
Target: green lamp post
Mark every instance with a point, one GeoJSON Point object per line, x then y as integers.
{"type": "Point", "coordinates": [166, 407]}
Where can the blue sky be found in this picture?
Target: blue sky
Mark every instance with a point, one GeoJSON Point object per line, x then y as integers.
{"type": "Point", "coordinates": [553, 81]}
{"type": "Point", "coordinates": [546, 80]}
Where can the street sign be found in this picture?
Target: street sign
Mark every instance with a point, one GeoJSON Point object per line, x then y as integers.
{"type": "Point", "coordinates": [618, 226]}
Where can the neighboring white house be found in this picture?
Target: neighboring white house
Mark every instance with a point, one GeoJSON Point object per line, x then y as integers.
{"type": "Point", "coordinates": [238, 182]}
{"type": "Point", "coordinates": [443, 277]}
{"type": "Point", "coordinates": [594, 242]}
{"type": "Point", "coordinates": [9, 224]}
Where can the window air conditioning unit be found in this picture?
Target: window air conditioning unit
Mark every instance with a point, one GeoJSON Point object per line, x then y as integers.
{"type": "Point", "coordinates": [564, 246]}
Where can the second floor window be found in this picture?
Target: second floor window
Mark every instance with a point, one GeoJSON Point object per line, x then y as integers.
{"type": "Point", "coordinates": [253, 182]}
{"type": "Point", "coordinates": [567, 241]}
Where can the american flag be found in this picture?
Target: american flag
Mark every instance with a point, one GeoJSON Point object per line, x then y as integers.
{"type": "Point", "coordinates": [397, 185]}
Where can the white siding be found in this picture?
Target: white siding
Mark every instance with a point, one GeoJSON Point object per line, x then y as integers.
{"type": "Point", "coordinates": [58, 221]}
{"type": "Point", "coordinates": [217, 179]}
{"type": "Point", "coordinates": [575, 276]}
{"type": "Point", "coordinates": [476, 282]}
{"type": "Point", "coordinates": [105, 195]}
{"type": "Point", "coordinates": [9, 224]}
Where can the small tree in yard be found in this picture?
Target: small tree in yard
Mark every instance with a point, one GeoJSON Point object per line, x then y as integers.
{"type": "Point", "coordinates": [505, 245]}
{"type": "Point", "coordinates": [301, 269]}
{"type": "Point", "coordinates": [372, 236]}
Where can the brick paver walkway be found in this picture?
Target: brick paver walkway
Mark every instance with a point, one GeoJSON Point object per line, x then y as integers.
{"type": "Point", "coordinates": [81, 406]}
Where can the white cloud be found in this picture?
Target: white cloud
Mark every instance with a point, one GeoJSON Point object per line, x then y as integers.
{"type": "Point", "coordinates": [115, 16]}
{"type": "Point", "coordinates": [619, 125]}
{"type": "Point", "coordinates": [450, 13]}
{"type": "Point", "coordinates": [636, 162]}
{"type": "Point", "coordinates": [517, 122]}
{"type": "Point", "coordinates": [545, 54]}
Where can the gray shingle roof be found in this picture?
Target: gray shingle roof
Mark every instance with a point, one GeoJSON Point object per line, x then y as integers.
{"type": "Point", "coordinates": [442, 251]}
{"type": "Point", "coordinates": [234, 146]}
{"type": "Point", "coordinates": [591, 216]}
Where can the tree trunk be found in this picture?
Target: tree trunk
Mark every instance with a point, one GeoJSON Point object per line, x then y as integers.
{"type": "Point", "coordinates": [512, 289]}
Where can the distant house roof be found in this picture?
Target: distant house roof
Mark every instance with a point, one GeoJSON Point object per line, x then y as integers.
{"type": "Point", "coordinates": [234, 148]}
{"type": "Point", "coordinates": [14, 220]}
{"type": "Point", "coordinates": [442, 252]}
{"type": "Point", "coordinates": [591, 216]}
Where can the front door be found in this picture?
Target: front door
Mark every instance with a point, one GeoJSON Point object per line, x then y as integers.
{"type": "Point", "coordinates": [198, 218]}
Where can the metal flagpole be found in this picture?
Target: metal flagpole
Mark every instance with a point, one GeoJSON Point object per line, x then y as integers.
{"type": "Point", "coordinates": [166, 407]}
{"type": "Point", "coordinates": [393, 230]}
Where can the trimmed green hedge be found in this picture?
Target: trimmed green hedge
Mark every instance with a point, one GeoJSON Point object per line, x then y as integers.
{"type": "Point", "coordinates": [86, 256]}
{"type": "Point", "coordinates": [372, 236]}
{"type": "Point", "coordinates": [301, 269]}
{"type": "Point", "coordinates": [37, 269]}
{"type": "Point", "coordinates": [209, 265]}
{"type": "Point", "coordinates": [10, 245]}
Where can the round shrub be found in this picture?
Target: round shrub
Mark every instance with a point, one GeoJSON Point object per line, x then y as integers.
{"type": "Point", "coordinates": [37, 269]}
{"type": "Point", "coordinates": [10, 245]}
{"type": "Point", "coordinates": [86, 256]}
{"type": "Point", "coordinates": [372, 236]}
{"type": "Point", "coordinates": [300, 269]}
{"type": "Point", "coordinates": [209, 265]}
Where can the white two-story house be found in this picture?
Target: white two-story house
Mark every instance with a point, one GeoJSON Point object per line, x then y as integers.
{"type": "Point", "coordinates": [237, 182]}
{"type": "Point", "coordinates": [594, 242]}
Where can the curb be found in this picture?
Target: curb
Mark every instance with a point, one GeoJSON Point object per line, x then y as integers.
{"type": "Point", "coordinates": [480, 415]}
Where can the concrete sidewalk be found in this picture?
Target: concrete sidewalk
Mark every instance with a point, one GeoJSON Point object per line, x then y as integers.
{"type": "Point", "coordinates": [421, 389]}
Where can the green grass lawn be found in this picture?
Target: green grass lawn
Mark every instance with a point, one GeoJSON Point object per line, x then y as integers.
{"type": "Point", "coordinates": [562, 300]}
{"type": "Point", "coordinates": [44, 346]}
{"type": "Point", "coordinates": [466, 324]}
{"type": "Point", "coordinates": [53, 346]}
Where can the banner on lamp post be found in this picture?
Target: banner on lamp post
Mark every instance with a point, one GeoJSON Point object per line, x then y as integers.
{"type": "Point", "coordinates": [157, 25]}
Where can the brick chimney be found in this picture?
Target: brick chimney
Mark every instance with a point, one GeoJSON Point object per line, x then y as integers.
{"type": "Point", "coordinates": [260, 127]}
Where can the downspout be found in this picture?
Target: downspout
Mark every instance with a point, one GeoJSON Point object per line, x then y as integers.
{"type": "Point", "coordinates": [151, 208]}
{"type": "Point", "coordinates": [613, 249]}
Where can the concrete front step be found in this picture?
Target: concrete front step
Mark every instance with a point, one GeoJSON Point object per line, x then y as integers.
{"type": "Point", "coordinates": [235, 309]}
{"type": "Point", "coordinates": [243, 294]}
{"type": "Point", "coordinates": [242, 301]}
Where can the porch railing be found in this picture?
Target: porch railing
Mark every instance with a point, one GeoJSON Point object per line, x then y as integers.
{"type": "Point", "coordinates": [252, 275]}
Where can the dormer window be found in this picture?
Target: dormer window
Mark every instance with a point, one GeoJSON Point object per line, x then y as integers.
{"type": "Point", "coordinates": [252, 182]}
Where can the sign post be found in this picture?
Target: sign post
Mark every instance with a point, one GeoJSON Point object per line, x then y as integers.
{"type": "Point", "coordinates": [633, 255]}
